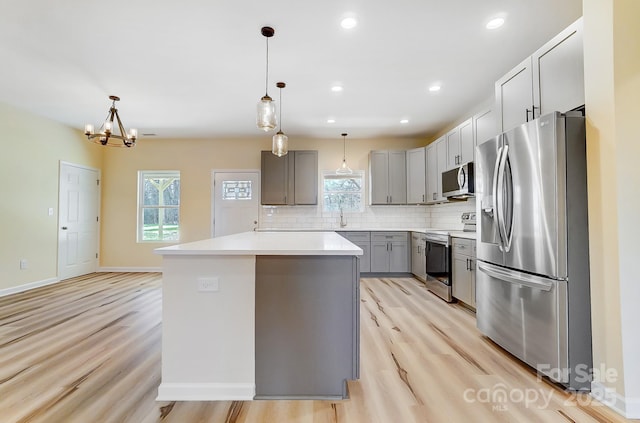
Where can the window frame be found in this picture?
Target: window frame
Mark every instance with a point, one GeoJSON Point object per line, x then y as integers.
{"type": "Point", "coordinates": [142, 176]}
{"type": "Point", "coordinates": [332, 173]}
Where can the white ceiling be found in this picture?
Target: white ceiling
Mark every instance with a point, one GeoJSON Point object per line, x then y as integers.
{"type": "Point", "coordinates": [196, 68]}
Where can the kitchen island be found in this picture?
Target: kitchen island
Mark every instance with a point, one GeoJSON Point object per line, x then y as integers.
{"type": "Point", "coordinates": [260, 315]}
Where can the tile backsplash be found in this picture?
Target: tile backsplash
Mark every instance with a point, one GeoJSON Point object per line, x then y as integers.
{"type": "Point", "coordinates": [442, 216]}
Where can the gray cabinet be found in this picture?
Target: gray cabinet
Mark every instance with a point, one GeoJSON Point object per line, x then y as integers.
{"type": "Point", "coordinates": [436, 164]}
{"type": "Point", "coordinates": [363, 240]}
{"type": "Point", "coordinates": [307, 324]}
{"type": "Point", "coordinates": [558, 69]}
{"type": "Point", "coordinates": [305, 181]}
{"type": "Point", "coordinates": [390, 252]}
{"type": "Point", "coordinates": [387, 177]}
{"type": "Point", "coordinates": [514, 96]}
{"type": "Point", "coordinates": [416, 176]}
{"type": "Point", "coordinates": [290, 179]}
{"type": "Point", "coordinates": [552, 79]}
{"type": "Point", "coordinates": [460, 144]}
{"type": "Point", "coordinates": [464, 271]}
{"type": "Point", "coordinates": [418, 257]}
{"type": "Point", "coordinates": [484, 126]}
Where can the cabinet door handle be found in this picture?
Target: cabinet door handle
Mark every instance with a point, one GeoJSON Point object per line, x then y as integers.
{"type": "Point", "coordinates": [467, 264]}
{"type": "Point", "coordinates": [527, 111]}
{"type": "Point", "coordinates": [391, 199]}
{"type": "Point", "coordinates": [423, 198]}
{"type": "Point", "coordinates": [391, 245]}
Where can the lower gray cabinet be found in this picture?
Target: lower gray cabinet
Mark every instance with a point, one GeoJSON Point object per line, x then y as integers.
{"type": "Point", "coordinates": [464, 271]}
{"type": "Point", "coordinates": [363, 240]}
{"type": "Point", "coordinates": [307, 331]}
{"type": "Point", "coordinates": [390, 252]}
{"type": "Point", "coordinates": [418, 256]}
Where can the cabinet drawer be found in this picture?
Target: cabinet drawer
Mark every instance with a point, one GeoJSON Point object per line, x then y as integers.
{"type": "Point", "coordinates": [357, 236]}
{"type": "Point", "coordinates": [463, 246]}
{"type": "Point", "coordinates": [389, 236]}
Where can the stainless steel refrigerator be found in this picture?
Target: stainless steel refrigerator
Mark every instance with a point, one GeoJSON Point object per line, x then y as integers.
{"type": "Point", "coordinates": [532, 276]}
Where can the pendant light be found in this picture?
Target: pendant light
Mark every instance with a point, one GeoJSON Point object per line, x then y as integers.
{"type": "Point", "coordinates": [280, 146]}
{"type": "Point", "coordinates": [344, 169]}
{"type": "Point", "coordinates": [266, 118]}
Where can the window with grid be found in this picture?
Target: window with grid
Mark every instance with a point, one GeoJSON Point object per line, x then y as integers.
{"type": "Point", "coordinates": [158, 206]}
{"type": "Point", "coordinates": [343, 192]}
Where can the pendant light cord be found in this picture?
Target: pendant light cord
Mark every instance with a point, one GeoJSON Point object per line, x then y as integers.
{"type": "Point", "coordinates": [266, 80]}
{"type": "Point", "coordinates": [280, 117]}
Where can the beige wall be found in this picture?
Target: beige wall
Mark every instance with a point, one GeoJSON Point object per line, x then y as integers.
{"type": "Point", "coordinates": [612, 84]}
{"type": "Point", "coordinates": [32, 148]}
{"type": "Point", "coordinates": [195, 159]}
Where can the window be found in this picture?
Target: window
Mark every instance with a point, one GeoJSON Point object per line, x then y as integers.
{"type": "Point", "coordinates": [158, 206]}
{"type": "Point", "coordinates": [236, 190]}
{"type": "Point", "coordinates": [344, 192]}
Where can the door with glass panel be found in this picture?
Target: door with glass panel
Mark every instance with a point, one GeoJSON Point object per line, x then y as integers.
{"type": "Point", "coordinates": [235, 202]}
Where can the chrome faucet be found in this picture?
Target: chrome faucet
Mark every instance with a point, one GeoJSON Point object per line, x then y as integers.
{"type": "Point", "coordinates": [343, 221]}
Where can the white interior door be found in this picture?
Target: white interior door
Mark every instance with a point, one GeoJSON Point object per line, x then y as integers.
{"type": "Point", "coordinates": [236, 201]}
{"type": "Point", "coordinates": [78, 220]}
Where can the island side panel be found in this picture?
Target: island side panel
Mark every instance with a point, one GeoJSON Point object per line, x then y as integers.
{"type": "Point", "coordinates": [208, 342]}
{"type": "Point", "coordinates": [307, 326]}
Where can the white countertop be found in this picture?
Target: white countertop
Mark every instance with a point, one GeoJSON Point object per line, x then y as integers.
{"type": "Point", "coordinates": [287, 243]}
{"type": "Point", "coordinates": [462, 234]}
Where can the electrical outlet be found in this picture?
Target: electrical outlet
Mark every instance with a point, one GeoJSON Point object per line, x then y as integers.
{"type": "Point", "coordinates": [208, 284]}
{"type": "Point", "coordinates": [24, 264]}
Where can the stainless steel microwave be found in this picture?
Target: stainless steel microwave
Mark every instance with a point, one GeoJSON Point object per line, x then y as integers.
{"type": "Point", "coordinates": [458, 182]}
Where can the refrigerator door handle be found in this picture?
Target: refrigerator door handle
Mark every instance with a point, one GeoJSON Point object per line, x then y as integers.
{"type": "Point", "coordinates": [496, 209]}
{"type": "Point", "coordinates": [513, 277]}
{"type": "Point", "coordinates": [502, 228]}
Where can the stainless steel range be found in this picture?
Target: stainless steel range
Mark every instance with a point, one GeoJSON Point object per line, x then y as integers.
{"type": "Point", "coordinates": [438, 257]}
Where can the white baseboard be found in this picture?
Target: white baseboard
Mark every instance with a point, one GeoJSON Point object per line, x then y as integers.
{"type": "Point", "coordinates": [627, 407]}
{"type": "Point", "coordinates": [130, 269]}
{"type": "Point", "coordinates": [27, 286]}
{"type": "Point", "coordinates": [206, 392]}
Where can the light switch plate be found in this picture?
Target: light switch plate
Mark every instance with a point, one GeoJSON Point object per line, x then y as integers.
{"type": "Point", "coordinates": [208, 284]}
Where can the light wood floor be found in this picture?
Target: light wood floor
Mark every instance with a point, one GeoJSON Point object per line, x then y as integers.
{"type": "Point", "coordinates": [88, 350]}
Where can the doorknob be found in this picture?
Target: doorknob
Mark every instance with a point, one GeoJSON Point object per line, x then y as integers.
{"type": "Point", "coordinates": [64, 228]}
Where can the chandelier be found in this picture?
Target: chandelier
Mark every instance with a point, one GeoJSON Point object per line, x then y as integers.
{"type": "Point", "coordinates": [106, 134]}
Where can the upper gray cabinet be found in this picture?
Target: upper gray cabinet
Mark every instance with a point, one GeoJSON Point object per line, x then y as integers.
{"type": "Point", "coordinates": [460, 144]}
{"type": "Point", "coordinates": [305, 182]}
{"type": "Point", "coordinates": [436, 164]}
{"type": "Point", "coordinates": [514, 96]}
{"type": "Point", "coordinates": [416, 176]}
{"type": "Point", "coordinates": [388, 177]}
{"type": "Point", "coordinates": [559, 70]}
{"type": "Point", "coordinates": [290, 179]}
{"type": "Point", "coordinates": [484, 126]}
{"type": "Point", "coordinates": [552, 79]}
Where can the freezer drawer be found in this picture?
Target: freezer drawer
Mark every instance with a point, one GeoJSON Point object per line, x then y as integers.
{"type": "Point", "coordinates": [526, 315]}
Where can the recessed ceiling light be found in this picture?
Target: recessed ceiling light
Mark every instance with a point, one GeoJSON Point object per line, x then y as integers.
{"type": "Point", "coordinates": [404, 121]}
{"type": "Point", "coordinates": [336, 88]}
{"type": "Point", "coordinates": [495, 23]}
{"type": "Point", "coordinates": [331, 121]}
{"type": "Point", "coordinates": [434, 88]}
{"type": "Point", "coordinates": [349, 23]}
